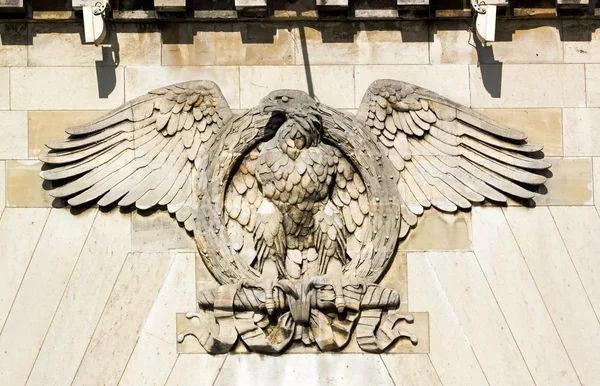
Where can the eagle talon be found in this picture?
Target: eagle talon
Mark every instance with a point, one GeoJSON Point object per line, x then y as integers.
{"type": "Point", "coordinates": [267, 286]}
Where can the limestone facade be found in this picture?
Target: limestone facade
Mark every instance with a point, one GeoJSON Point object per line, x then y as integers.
{"type": "Point", "coordinates": [513, 295]}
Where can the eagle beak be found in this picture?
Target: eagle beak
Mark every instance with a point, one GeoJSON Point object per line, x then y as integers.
{"type": "Point", "coordinates": [268, 105]}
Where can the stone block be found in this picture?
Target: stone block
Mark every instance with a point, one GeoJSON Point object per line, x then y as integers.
{"type": "Point", "coordinates": [451, 81]}
{"type": "Point", "coordinates": [411, 369]}
{"type": "Point", "coordinates": [592, 84]}
{"type": "Point", "coordinates": [4, 89]}
{"type": "Point", "coordinates": [211, 44]}
{"type": "Point", "coordinates": [396, 277]}
{"type": "Point", "coordinates": [527, 85]}
{"type": "Point", "coordinates": [169, 5]}
{"type": "Point", "coordinates": [13, 45]}
{"type": "Point", "coordinates": [596, 168]}
{"type": "Point", "coordinates": [362, 43]}
{"type": "Point", "coordinates": [25, 187]}
{"type": "Point", "coordinates": [61, 44]}
{"type": "Point", "coordinates": [160, 232]}
{"type": "Point", "coordinates": [140, 80]}
{"type": "Point", "coordinates": [11, 5]}
{"type": "Point", "coordinates": [190, 369]}
{"type": "Point", "coordinates": [542, 126]}
{"type": "Point", "coordinates": [452, 232]}
{"type": "Point", "coordinates": [581, 41]}
{"type": "Point", "coordinates": [582, 137]}
{"type": "Point", "coordinates": [332, 85]}
{"type": "Point", "coordinates": [570, 184]}
{"type": "Point", "coordinates": [13, 131]}
{"type": "Point", "coordinates": [47, 126]}
{"type": "Point", "coordinates": [2, 186]}
{"type": "Point", "coordinates": [516, 42]}
{"type": "Point", "coordinates": [66, 88]}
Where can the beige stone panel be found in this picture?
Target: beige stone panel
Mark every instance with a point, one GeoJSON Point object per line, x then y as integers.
{"type": "Point", "coordinates": [516, 42]}
{"type": "Point", "coordinates": [123, 317]}
{"type": "Point", "coordinates": [61, 44]}
{"type": "Point", "coordinates": [195, 369]}
{"type": "Point", "coordinates": [570, 184]}
{"type": "Point", "coordinates": [475, 305]}
{"type": "Point", "coordinates": [47, 126]}
{"type": "Point", "coordinates": [363, 43]}
{"type": "Point", "coordinates": [140, 80]}
{"type": "Point", "coordinates": [440, 231]}
{"type": "Point", "coordinates": [579, 227]}
{"type": "Point", "coordinates": [582, 137]}
{"type": "Point", "coordinates": [560, 286]}
{"type": "Point", "coordinates": [581, 41]}
{"type": "Point", "coordinates": [156, 350]}
{"type": "Point", "coordinates": [86, 294]}
{"type": "Point", "coordinates": [66, 88]}
{"type": "Point", "coordinates": [542, 126]}
{"type": "Point", "coordinates": [451, 81]}
{"type": "Point", "coordinates": [13, 45]}
{"type": "Point", "coordinates": [414, 370]}
{"type": "Point", "coordinates": [527, 85]}
{"type": "Point", "coordinates": [160, 232]}
{"type": "Point", "coordinates": [13, 131]}
{"type": "Point", "coordinates": [304, 369]}
{"type": "Point", "coordinates": [40, 293]}
{"type": "Point", "coordinates": [2, 186]}
{"type": "Point", "coordinates": [592, 84]}
{"type": "Point", "coordinates": [25, 187]}
{"type": "Point", "coordinates": [396, 277]}
{"type": "Point", "coordinates": [596, 170]}
{"type": "Point", "coordinates": [332, 85]}
{"type": "Point", "coordinates": [518, 297]}
{"type": "Point", "coordinates": [451, 353]}
{"type": "Point", "coordinates": [231, 44]}
{"type": "Point", "coordinates": [4, 88]}
{"type": "Point", "coordinates": [20, 229]}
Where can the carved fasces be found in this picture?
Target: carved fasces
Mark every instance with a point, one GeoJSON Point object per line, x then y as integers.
{"type": "Point", "coordinates": [297, 208]}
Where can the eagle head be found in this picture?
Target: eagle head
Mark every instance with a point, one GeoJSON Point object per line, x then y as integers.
{"type": "Point", "coordinates": [302, 125]}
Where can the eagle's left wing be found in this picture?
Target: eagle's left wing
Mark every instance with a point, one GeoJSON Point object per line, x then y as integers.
{"type": "Point", "coordinates": [448, 156]}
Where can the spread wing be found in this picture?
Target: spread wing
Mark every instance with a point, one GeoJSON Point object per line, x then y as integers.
{"type": "Point", "coordinates": [448, 155]}
{"type": "Point", "coordinates": [144, 153]}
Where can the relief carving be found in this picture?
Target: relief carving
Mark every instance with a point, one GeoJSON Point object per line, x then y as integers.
{"type": "Point", "coordinates": [297, 209]}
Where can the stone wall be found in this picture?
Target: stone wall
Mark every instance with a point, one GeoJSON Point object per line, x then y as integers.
{"type": "Point", "coordinates": [89, 297]}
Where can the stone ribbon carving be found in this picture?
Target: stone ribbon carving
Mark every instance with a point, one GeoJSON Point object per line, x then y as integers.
{"type": "Point", "coordinates": [297, 209]}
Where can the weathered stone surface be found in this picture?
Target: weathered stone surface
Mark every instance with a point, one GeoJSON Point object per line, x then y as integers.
{"type": "Point", "coordinates": [160, 232]}
{"type": "Point", "coordinates": [291, 369]}
{"type": "Point", "coordinates": [571, 183]}
{"type": "Point", "coordinates": [156, 350]}
{"type": "Point", "coordinates": [2, 186]}
{"type": "Point", "coordinates": [581, 41]}
{"type": "Point", "coordinates": [452, 232]}
{"type": "Point", "coordinates": [596, 169]}
{"type": "Point", "coordinates": [559, 284]}
{"type": "Point", "coordinates": [20, 230]}
{"type": "Point", "coordinates": [582, 137]}
{"type": "Point", "coordinates": [85, 296]}
{"type": "Point", "coordinates": [40, 292]}
{"type": "Point", "coordinates": [451, 352]}
{"type": "Point", "coordinates": [592, 84]}
{"type": "Point", "coordinates": [186, 44]}
{"type": "Point", "coordinates": [61, 44]}
{"type": "Point", "coordinates": [527, 85]}
{"type": "Point", "coordinates": [13, 131]}
{"type": "Point", "coordinates": [451, 81]}
{"type": "Point", "coordinates": [362, 43]}
{"type": "Point", "coordinates": [477, 310]}
{"type": "Point", "coordinates": [24, 187]}
{"type": "Point", "coordinates": [542, 126]}
{"type": "Point", "coordinates": [66, 88]}
{"type": "Point", "coordinates": [332, 85]}
{"type": "Point", "coordinates": [4, 89]}
{"type": "Point", "coordinates": [13, 45]}
{"type": "Point", "coordinates": [47, 126]}
{"type": "Point", "coordinates": [396, 277]}
{"type": "Point", "coordinates": [411, 369]}
{"type": "Point", "coordinates": [198, 370]}
{"type": "Point", "coordinates": [516, 42]}
{"type": "Point", "coordinates": [122, 320]}
{"type": "Point", "coordinates": [140, 80]}
{"type": "Point", "coordinates": [519, 299]}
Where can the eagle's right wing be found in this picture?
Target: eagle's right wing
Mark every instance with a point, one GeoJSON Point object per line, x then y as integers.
{"type": "Point", "coordinates": [144, 153]}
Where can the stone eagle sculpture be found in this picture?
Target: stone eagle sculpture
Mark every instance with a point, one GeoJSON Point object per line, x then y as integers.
{"type": "Point", "coordinates": [297, 208]}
